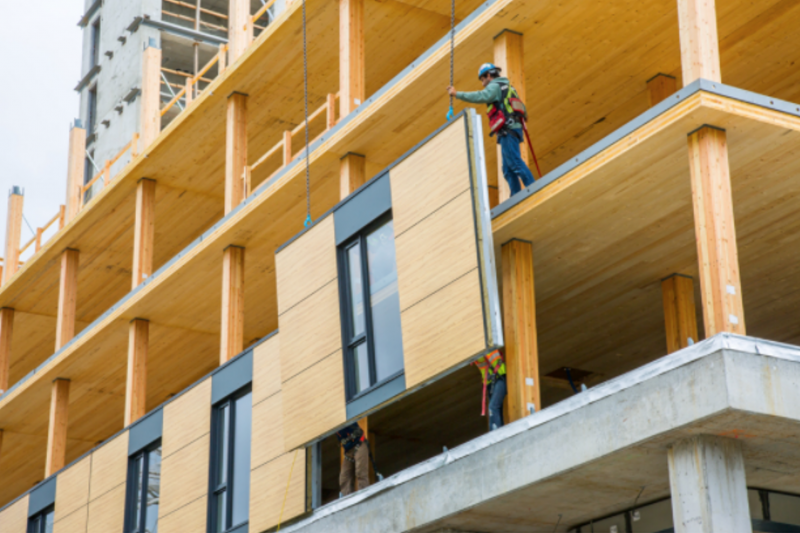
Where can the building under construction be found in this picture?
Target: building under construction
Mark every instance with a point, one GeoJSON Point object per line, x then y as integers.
{"type": "Point", "coordinates": [273, 230]}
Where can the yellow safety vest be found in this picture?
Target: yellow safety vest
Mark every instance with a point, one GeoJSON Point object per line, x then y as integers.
{"type": "Point", "coordinates": [491, 365]}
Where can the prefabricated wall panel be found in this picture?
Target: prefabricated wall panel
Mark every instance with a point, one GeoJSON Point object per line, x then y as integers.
{"type": "Point", "coordinates": [14, 518]}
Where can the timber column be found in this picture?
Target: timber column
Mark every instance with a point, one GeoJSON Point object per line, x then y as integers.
{"type": "Point", "coordinates": [57, 428]}
{"type": "Point", "coordinates": [13, 233]}
{"type": "Point", "coordinates": [680, 317]}
{"type": "Point", "coordinates": [6, 333]}
{"type": "Point", "coordinates": [151, 95]}
{"type": "Point", "coordinates": [232, 328]}
{"type": "Point", "coordinates": [352, 174]}
{"type": "Point", "coordinates": [136, 385]}
{"type": "Point", "coordinates": [240, 31]}
{"type": "Point", "coordinates": [351, 56]}
{"type": "Point", "coordinates": [76, 166]}
{"type": "Point", "coordinates": [509, 55]}
{"type": "Point", "coordinates": [235, 150]}
{"type": "Point", "coordinates": [519, 330]}
{"type": "Point", "coordinates": [67, 297]}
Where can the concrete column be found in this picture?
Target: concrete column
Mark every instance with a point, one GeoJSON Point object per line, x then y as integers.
{"type": "Point", "coordinates": [709, 490]}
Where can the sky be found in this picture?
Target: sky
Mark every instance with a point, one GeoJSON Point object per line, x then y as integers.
{"type": "Point", "coordinates": [38, 104]}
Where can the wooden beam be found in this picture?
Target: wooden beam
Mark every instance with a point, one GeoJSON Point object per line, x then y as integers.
{"type": "Point", "coordinates": [697, 23]}
{"type": "Point", "coordinates": [76, 167]}
{"type": "Point", "coordinates": [519, 330]}
{"type": "Point", "coordinates": [57, 428]}
{"type": "Point", "coordinates": [144, 231]}
{"type": "Point", "coordinates": [151, 96]}
{"type": "Point", "coordinates": [352, 84]}
{"type": "Point", "coordinates": [660, 87]}
{"type": "Point", "coordinates": [236, 150]}
{"type": "Point", "coordinates": [13, 233]}
{"type": "Point", "coordinates": [136, 386]}
{"type": "Point", "coordinates": [6, 333]}
{"type": "Point", "coordinates": [509, 55]}
{"type": "Point", "coordinates": [680, 318]}
{"type": "Point", "coordinates": [240, 30]}
{"type": "Point", "coordinates": [67, 297]}
{"type": "Point", "coordinates": [352, 175]}
{"type": "Point", "coordinates": [232, 330]}
{"type": "Point", "coordinates": [715, 233]}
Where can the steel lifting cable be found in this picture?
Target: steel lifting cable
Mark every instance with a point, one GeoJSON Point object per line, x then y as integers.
{"type": "Point", "coordinates": [452, 51]}
{"type": "Point", "coordinates": [308, 221]}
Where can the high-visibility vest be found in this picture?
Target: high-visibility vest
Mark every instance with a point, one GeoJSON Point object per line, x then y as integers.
{"type": "Point", "coordinates": [490, 366]}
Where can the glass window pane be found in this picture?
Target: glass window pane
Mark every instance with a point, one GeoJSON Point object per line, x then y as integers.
{"type": "Point", "coordinates": [361, 367]}
{"type": "Point", "coordinates": [222, 445]}
{"type": "Point", "coordinates": [153, 490]}
{"type": "Point", "coordinates": [356, 290]}
{"type": "Point", "coordinates": [784, 508]}
{"type": "Point", "coordinates": [219, 526]}
{"type": "Point", "coordinates": [654, 517]}
{"type": "Point", "coordinates": [241, 460]}
{"type": "Point", "coordinates": [136, 509]}
{"type": "Point", "coordinates": [48, 522]}
{"type": "Point", "coordinates": [384, 301]}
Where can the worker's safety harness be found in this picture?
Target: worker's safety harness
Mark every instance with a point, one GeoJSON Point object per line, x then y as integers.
{"type": "Point", "coordinates": [506, 113]}
{"type": "Point", "coordinates": [492, 368]}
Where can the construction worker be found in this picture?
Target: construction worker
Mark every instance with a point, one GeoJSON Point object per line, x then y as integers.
{"type": "Point", "coordinates": [493, 374]}
{"type": "Point", "coordinates": [355, 463]}
{"type": "Point", "coordinates": [502, 121]}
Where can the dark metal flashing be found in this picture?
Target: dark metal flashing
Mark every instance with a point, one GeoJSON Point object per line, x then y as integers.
{"type": "Point", "coordinates": [364, 207]}
{"type": "Point", "coordinates": [42, 497]}
{"type": "Point", "coordinates": [180, 31]}
{"type": "Point", "coordinates": [380, 394]}
{"type": "Point", "coordinates": [661, 74]}
{"type": "Point", "coordinates": [88, 77]}
{"type": "Point", "coordinates": [711, 87]}
{"type": "Point", "coordinates": [236, 374]}
{"type": "Point", "coordinates": [145, 431]}
{"type": "Point", "coordinates": [89, 13]}
{"type": "Point", "coordinates": [704, 126]}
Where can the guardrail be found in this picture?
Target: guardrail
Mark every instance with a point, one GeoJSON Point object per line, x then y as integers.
{"type": "Point", "coordinates": [251, 22]}
{"type": "Point", "coordinates": [37, 238]}
{"type": "Point", "coordinates": [105, 173]}
{"type": "Point", "coordinates": [196, 19]}
{"type": "Point", "coordinates": [188, 92]}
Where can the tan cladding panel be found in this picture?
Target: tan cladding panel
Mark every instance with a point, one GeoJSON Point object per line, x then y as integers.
{"type": "Point", "coordinates": [437, 251]}
{"type": "Point", "coordinates": [440, 168]}
{"type": "Point", "coordinates": [109, 466]}
{"type": "Point", "coordinates": [268, 487]}
{"type": "Point", "coordinates": [310, 331]}
{"type": "Point", "coordinates": [72, 523]}
{"type": "Point", "coordinates": [187, 418]}
{"type": "Point", "coordinates": [306, 264]}
{"type": "Point", "coordinates": [443, 330]}
{"type": "Point", "coordinates": [189, 518]}
{"type": "Point", "coordinates": [72, 488]}
{"type": "Point", "coordinates": [107, 513]}
{"type": "Point", "coordinates": [313, 402]}
{"type": "Point", "coordinates": [267, 438]}
{"type": "Point", "coordinates": [184, 476]}
{"type": "Point", "coordinates": [266, 369]}
{"type": "Point", "coordinates": [14, 519]}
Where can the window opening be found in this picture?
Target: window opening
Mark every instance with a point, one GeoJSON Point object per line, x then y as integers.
{"type": "Point", "coordinates": [42, 522]}
{"type": "Point", "coordinates": [95, 51]}
{"type": "Point", "coordinates": [91, 111]}
{"type": "Point", "coordinates": [144, 490]}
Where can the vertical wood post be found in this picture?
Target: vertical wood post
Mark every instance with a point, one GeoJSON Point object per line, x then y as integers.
{"type": "Point", "coordinates": [57, 428]}
{"type": "Point", "coordinates": [67, 297]}
{"type": "Point", "coordinates": [697, 23]}
{"type": "Point", "coordinates": [232, 330]}
{"type": "Point", "coordinates": [236, 150]}
{"type": "Point", "coordinates": [6, 333]}
{"type": "Point", "coordinates": [76, 167]}
{"type": "Point", "coordinates": [151, 95]}
{"type": "Point", "coordinates": [680, 319]}
{"type": "Point", "coordinates": [331, 115]}
{"type": "Point", "coordinates": [519, 330]}
{"type": "Point", "coordinates": [144, 230]}
{"type": "Point", "coordinates": [136, 386]}
{"type": "Point", "coordinates": [222, 63]}
{"type": "Point", "coordinates": [13, 233]}
{"type": "Point", "coordinates": [660, 87]}
{"type": "Point", "coordinates": [509, 55]}
{"type": "Point", "coordinates": [189, 91]}
{"type": "Point", "coordinates": [715, 232]}
{"type": "Point", "coordinates": [352, 76]}
{"type": "Point", "coordinates": [287, 147]}
{"type": "Point", "coordinates": [353, 174]}
{"type": "Point", "coordinates": [240, 31]}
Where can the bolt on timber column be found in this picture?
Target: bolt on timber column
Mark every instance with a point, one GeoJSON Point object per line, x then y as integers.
{"type": "Point", "coordinates": [519, 330]}
{"type": "Point", "coordinates": [76, 164]}
{"type": "Point", "coordinates": [67, 297]}
{"type": "Point", "coordinates": [235, 151]}
{"type": "Point", "coordinates": [57, 428]}
{"type": "Point", "coordinates": [6, 332]}
{"type": "Point", "coordinates": [232, 329]}
{"type": "Point", "coordinates": [352, 76]}
{"type": "Point", "coordinates": [136, 386]}
{"type": "Point", "coordinates": [509, 55]}
{"type": "Point", "coordinates": [680, 318]}
{"type": "Point", "coordinates": [143, 231]}
{"type": "Point", "coordinates": [708, 485]}
{"type": "Point", "coordinates": [151, 95]}
{"type": "Point", "coordinates": [13, 233]}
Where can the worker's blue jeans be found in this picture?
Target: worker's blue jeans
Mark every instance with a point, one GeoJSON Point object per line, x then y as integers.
{"type": "Point", "coordinates": [514, 168]}
{"type": "Point", "coordinates": [497, 393]}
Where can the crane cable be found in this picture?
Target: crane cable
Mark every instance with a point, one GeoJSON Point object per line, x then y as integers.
{"type": "Point", "coordinates": [308, 221]}
{"type": "Point", "coordinates": [452, 52]}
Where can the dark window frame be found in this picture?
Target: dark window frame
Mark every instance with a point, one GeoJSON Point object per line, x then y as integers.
{"type": "Point", "coordinates": [350, 341]}
{"type": "Point", "coordinates": [91, 112]}
{"type": "Point", "coordinates": [215, 486]}
{"type": "Point", "coordinates": [131, 497]}
{"type": "Point", "coordinates": [38, 522]}
{"type": "Point", "coordinates": [94, 44]}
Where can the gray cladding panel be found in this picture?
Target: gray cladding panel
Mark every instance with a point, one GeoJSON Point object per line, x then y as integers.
{"type": "Point", "coordinates": [42, 496]}
{"type": "Point", "coordinates": [362, 208]}
{"type": "Point", "coordinates": [236, 374]}
{"type": "Point", "coordinates": [145, 431]}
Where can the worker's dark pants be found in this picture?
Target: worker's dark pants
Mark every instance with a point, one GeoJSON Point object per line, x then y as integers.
{"type": "Point", "coordinates": [355, 466]}
{"type": "Point", "coordinates": [497, 393]}
{"type": "Point", "coordinates": [514, 168]}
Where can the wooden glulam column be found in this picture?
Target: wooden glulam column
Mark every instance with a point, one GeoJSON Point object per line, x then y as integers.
{"type": "Point", "coordinates": [13, 233]}
{"type": "Point", "coordinates": [6, 334]}
{"type": "Point", "coordinates": [236, 150]}
{"type": "Point", "coordinates": [519, 330]}
{"type": "Point", "coordinates": [660, 87]}
{"type": "Point", "coordinates": [697, 23]}
{"type": "Point", "coordinates": [232, 330]}
{"type": "Point", "coordinates": [67, 297]}
{"type": "Point", "coordinates": [240, 31]}
{"type": "Point", "coordinates": [144, 231]}
{"type": "Point", "coordinates": [353, 174]}
{"type": "Point", "coordinates": [352, 77]}
{"type": "Point", "coordinates": [715, 233]}
{"type": "Point", "coordinates": [136, 385]}
{"type": "Point", "coordinates": [76, 167]}
{"type": "Point", "coordinates": [680, 318]}
{"type": "Point", "coordinates": [151, 95]}
{"type": "Point", "coordinates": [57, 428]}
{"type": "Point", "coordinates": [509, 55]}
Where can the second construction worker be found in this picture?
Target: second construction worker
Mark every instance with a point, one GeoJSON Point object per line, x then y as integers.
{"type": "Point", "coordinates": [502, 121]}
{"type": "Point", "coordinates": [493, 374]}
{"type": "Point", "coordinates": [355, 463]}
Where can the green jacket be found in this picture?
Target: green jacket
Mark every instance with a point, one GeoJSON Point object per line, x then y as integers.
{"type": "Point", "coordinates": [492, 93]}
